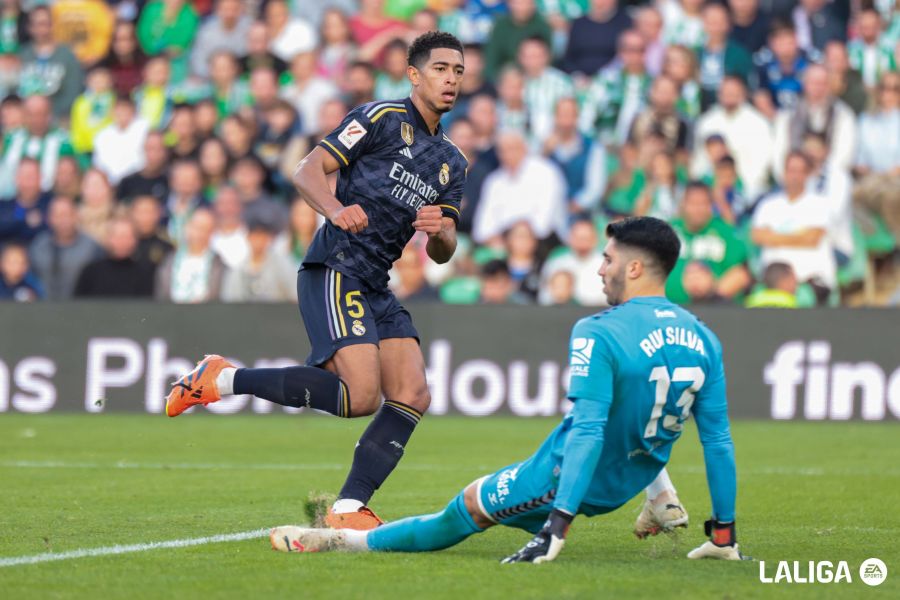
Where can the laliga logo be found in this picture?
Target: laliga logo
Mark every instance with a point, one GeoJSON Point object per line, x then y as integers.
{"type": "Point", "coordinates": [816, 572]}
{"type": "Point", "coordinates": [872, 572]}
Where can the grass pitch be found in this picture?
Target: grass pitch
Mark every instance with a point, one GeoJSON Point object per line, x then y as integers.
{"type": "Point", "coordinates": [823, 491]}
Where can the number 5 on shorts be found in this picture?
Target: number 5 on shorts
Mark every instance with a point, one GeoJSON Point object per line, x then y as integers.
{"type": "Point", "coordinates": [354, 307]}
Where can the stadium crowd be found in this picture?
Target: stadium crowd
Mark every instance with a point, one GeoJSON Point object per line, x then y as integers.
{"type": "Point", "coordinates": [148, 147]}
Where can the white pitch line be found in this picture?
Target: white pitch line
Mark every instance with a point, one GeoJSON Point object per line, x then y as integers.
{"type": "Point", "coordinates": [58, 464]}
{"type": "Point", "coordinates": [111, 550]}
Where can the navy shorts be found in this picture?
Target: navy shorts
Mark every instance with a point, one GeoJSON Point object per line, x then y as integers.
{"type": "Point", "coordinates": [339, 311]}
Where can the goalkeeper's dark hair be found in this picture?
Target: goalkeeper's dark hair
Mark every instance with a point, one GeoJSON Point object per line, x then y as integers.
{"type": "Point", "coordinates": [420, 49]}
{"type": "Point", "coordinates": [650, 236]}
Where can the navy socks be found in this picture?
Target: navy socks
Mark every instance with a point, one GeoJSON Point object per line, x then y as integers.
{"type": "Point", "coordinates": [382, 443]}
{"type": "Point", "coordinates": [380, 449]}
{"type": "Point", "coordinates": [299, 387]}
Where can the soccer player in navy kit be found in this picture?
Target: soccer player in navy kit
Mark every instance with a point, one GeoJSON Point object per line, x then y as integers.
{"type": "Point", "coordinates": [638, 372]}
{"type": "Point", "coordinates": [398, 174]}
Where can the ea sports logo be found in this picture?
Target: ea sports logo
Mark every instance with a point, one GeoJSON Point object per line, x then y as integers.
{"type": "Point", "coordinates": [873, 571]}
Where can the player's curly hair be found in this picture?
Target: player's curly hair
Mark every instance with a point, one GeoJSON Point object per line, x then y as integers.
{"type": "Point", "coordinates": [420, 50]}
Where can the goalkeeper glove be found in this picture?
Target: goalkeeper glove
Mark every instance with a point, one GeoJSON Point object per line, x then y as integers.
{"type": "Point", "coordinates": [548, 543]}
{"type": "Point", "coordinates": [722, 543]}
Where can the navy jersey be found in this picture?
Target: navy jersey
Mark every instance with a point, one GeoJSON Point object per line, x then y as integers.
{"type": "Point", "coordinates": [785, 88]}
{"type": "Point", "coordinates": [391, 166]}
{"type": "Point", "coordinates": [638, 371]}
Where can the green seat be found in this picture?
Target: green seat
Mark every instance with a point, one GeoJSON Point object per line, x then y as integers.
{"type": "Point", "coordinates": [461, 290]}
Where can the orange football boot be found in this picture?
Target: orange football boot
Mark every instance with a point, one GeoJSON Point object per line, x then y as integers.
{"type": "Point", "coordinates": [197, 387]}
{"type": "Point", "coordinates": [363, 519]}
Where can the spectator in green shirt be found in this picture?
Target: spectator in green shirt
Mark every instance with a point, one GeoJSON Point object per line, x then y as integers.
{"type": "Point", "coordinates": [719, 56]}
{"type": "Point", "coordinates": [169, 26]}
{"type": "Point", "coordinates": [699, 281]}
{"type": "Point", "coordinates": [230, 93]}
{"type": "Point", "coordinates": [13, 26]}
{"type": "Point", "coordinates": [48, 69]}
{"type": "Point", "coordinates": [403, 10]}
{"type": "Point", "coordinates": [37, 139]}
{"type": "Point", "coordinates": [707, 238]}
{"type": "Point", "coordinates": [523, 21]}
{"type": "Point", "coordinates": [391, 81]}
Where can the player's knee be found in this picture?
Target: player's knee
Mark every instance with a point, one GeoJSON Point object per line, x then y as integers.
{"type": "Point", "coordinates": [473, 507]}
{"type": "Point", "coordinates": [417, 397]}
{"type": "Point", "coordinates": [365, 397]}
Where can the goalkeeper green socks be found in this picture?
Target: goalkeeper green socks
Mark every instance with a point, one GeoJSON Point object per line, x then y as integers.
{"type": "Point", "coordinates": [426, 532]}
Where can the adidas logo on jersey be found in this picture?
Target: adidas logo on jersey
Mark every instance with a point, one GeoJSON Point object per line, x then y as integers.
{"type": "Point", "coordinates": [406, 152]}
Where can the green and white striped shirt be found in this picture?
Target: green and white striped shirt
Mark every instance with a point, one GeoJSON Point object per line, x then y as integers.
{"type": "Point", "coordinates": [871, 61]}
{"type": "Point", "coordinates": [688, 103]}
{"type": "Point", "coordinates": [541, 95]}
{"type": "Point", "coordinates": [611, 103]}
{"type": "Point", "coordinates": [891, 34]}
{"type": "Point", "coordinates": [679, 28]}
{"type": "Point", "coordinates": [47, 150]}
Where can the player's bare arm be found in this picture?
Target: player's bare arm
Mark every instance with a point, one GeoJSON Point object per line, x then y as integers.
{"type": "Point", "coordinates": [441, 232]}
{"type": "Point", "coordinates": [808, 238]}
{"type": "Point", "coordinates": [311, 180]}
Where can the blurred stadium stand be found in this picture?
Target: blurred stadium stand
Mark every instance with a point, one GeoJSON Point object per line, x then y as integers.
{"type": "Point", "coordinates": [205, 107]}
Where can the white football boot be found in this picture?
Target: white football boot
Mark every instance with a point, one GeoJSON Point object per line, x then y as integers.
{"type": "Point", "coordinates": [664, 516]}
{"type": "Point", "coordinates": [290, 538]}
{"type": "Point", "coordinates": [710, 550]}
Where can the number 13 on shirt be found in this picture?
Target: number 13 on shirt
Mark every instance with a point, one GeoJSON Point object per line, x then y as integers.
{"type": "Point", "coordinates": [692, 375]}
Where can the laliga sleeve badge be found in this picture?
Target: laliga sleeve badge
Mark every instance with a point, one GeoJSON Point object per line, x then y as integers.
{"type": "Point", "coordinates": [351, 134]}
{"type": "Point", "coordinates": [444, 175]}
{"type": "Point", "coordinates": [358, 328]}
{"type": "Point", "coordinates": [406, 132]}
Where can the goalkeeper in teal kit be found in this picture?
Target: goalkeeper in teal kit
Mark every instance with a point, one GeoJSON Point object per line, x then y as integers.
{"type": "Point", "coordinates": [638, 371]}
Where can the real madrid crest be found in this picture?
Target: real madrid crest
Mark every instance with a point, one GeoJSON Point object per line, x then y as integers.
{"type": "Point", "coordinates": [444, 175]}
{"type": "Point", "coordinates": [406, 132]}
{"type": "Point", "coordinates": [358, 328]}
